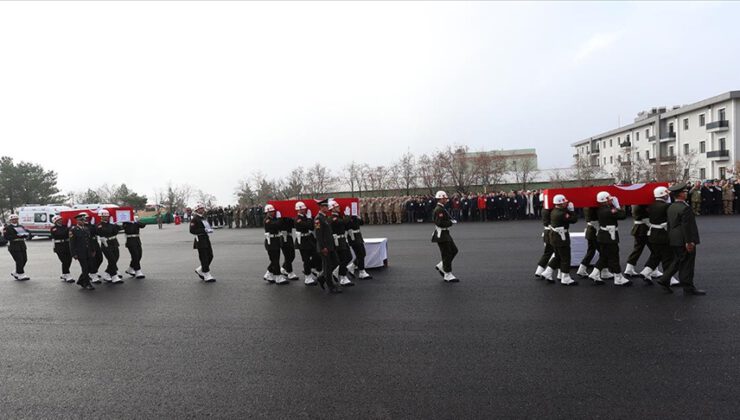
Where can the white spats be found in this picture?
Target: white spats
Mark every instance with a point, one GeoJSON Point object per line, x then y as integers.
{"type": "Point", "coordinates": [95, 278]}
{"type": "Point", "coordinates": [107, 277]}
{"type": "Point", "coordinates": [630, 270]}
{"type": "Point", "coordinates": [674, 281]}
{"type": "Point", "coordinates": [538, 272]}
{"type": "Point", "coordinates": [351, 267]}
{"type": "Point", "coordinates": [139, 275]}
{"type": "Point", "coordinates": [646, 272]}
{"type": "Point", "coordinates": [440, 268]}
{"type": "Point", "coordinates": [208, 278]}
{"type": "Point", "coordinates": [130, 271]}
{"type": "Point", "coordinates": [582, 271]}
{"type": "Point", "coordinates": [363, 275]}
{"type": "Point", "coordinates": [656, 273]}
{"type": "Point", "coordinates": [621, 281]}
{"type": "Point", "coordinates": [310, 280]}
{"type": "Point", "coordinates": [450, 278]}
{"type": "Point", "coordinates": [345, 281]}
{"type": "Point", "coordinates": [547, 274]}
{"type": "Point", "coordinates": [116, 279]}
{"type": "Point", "coordinates": [281, 279]}
{"type": "Point", "coordinates": [199, 272]}
{"type": "Point", "coordinates": [269, 277]}
{"type": "Point", "coordinates": [566, 280]}
{"type": "Point", "coordinates": [606, 274]}
{"type": "Point", "coordinates": [596, 276]}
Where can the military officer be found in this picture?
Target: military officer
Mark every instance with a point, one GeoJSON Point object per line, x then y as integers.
{"type": "Point", "coordinates": [107, 232]}
{"type": "Point", "coordinates": [592, 226]}
{"type": "Point", "coordinates": [325, 247]}
{"type": "Point", "coordinates": [357, 243]}
{"type": "Point", "coordinates": [200, 228]}
{"type": "Point", "coordinates": [683, 237]}
{"type": "Point", "coordinates": [273, 244]}
{"type": "Point", "coordinates": [80, 241]}
{"type": "Point", "coordinates": [286, 225]}
{"type": "Point", "coordinates": [305, 243]}
{"type": "Point", "coordinates": [561, 217]}
{"type": "Point", "coordinates": [443, 239]}
{"type": "Point", "coordinates": [339, 229]}
{"type": "Point", "coordinates": [608, 213]}
{"type": "Point", "coordinates": [16, 236]}
{"type": "Point", "coordinates": [60, 235]}
{"type": "Point", "coordinates": [97, 254]}
{"type": "Point", "coordinates": [133, 244]}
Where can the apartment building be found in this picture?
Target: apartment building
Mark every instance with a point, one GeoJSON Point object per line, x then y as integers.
{"type": "Point", "coordinates": [705, 132]}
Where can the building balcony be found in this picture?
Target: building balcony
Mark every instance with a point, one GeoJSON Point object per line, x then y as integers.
{"type": "Point", "coordinates": [595, 151]}
{"type": "Point", "coordinates": [625, 144]}
{"type": "Point", "coordinates": [625, 163]}
{"type": "Point", "coordinates": [670, 136]}
{"type": "Point", "coordinates": [651, 138]}
{"type": "Point", "coordinates": [719, 154]}
{"type": "Point", "coordinates": [721, 125]}
{"type": "Point", "coordinates": [664, 160]}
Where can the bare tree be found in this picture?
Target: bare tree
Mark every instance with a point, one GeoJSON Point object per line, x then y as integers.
{"type": "Point", "coordinates": [207, 199]}
{"type": "Point", "coordinates": [584, 172]}
{"type": "Point", "coordinates": [319, 179]}
{"type": "Point", "coordinates": [558, 178]}
{"type": "Point", "coordinates": [524, 171]}
{"type": "Point", "coordinates": [245, 194]}
{"type": "Point", "coordinates": [292, 186]}
{"type": "Point", "coordinates": [174, 197]}
{"type": "Point", "coordinates": [407, 176]}
{"type": "Point", "coordinates": [489, 169]}
{"type": "Point", "coordinates": [424, 170]}
{"type": "Point", "coordinates": [459, 167]}
{"type": "Point", "coordinates": [351, 176]}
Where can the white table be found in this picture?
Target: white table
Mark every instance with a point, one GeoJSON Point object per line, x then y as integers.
{"type": "Point", "coordinates": [578, 248]}
{"type": "Point", "coordinates": [376, 252]}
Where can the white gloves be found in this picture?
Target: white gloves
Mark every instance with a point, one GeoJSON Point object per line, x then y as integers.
{"type": "Point", "coordinates": [615, 202]}
{"type": "Point", "coordinates": [571, 207]}
{"type": "Point", "coordinates": [454, 221]}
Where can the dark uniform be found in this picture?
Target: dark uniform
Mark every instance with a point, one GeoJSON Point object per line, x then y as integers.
{"type": "Point", "coordinates": [442, 237]}
{"type": "Point", "coordinates": [356, 241]}
{"type": "Point", "coordinates": [339, 229]}
{"type": "Point", "coordinates": [608, 238]}
{"type": "Point", "coordinates": [80, 240]}
{"type": "Point", "coordinates": [640, 233]}
{"type": "Point", "coordinates": [660, 249]}
{"type": "Point", "coordinates": [273, 243]}
{"type": "Point", "coordinates": [202, 242]}
{"type": "Point", "coordinates": [133, 243]}
{"type": "Point", "coordinates": [286, 225]}
{"type": "Point", "coordinates": [560, 221]}
{"type": "Point", "coordinates": [97, 258]}
{"type": "Point", "coordinates": [16, 236]}
{"type": "Point", "coordinates": [327, 251]}
{"type": "Point", "coordinates": [549, 251]}
{"type": "Point", "coordinates": [682, 230]}
{"type": "Point", "coordinates": [589, 214]}
{"type": "Point", "coordinates": [109, 245]}
{"type": "Point", "coordinates": [60, 236]}
{"type": "Point", "coordinates": [305, 243]}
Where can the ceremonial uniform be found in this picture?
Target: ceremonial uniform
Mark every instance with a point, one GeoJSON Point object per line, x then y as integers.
{"type": "Point", "coordinates": [357, 243]}
{"type": "Point", "coordinates": [660, 249]}
{"type": "Point", "coordinates": [592, 227]}
{"type": "Point", "coordinates": [543, 270]}
{"type": "Point", "coordinates": [339, 229]}
{"type": "Point", "coordinates": [109, 245]}
{"type": "Point", "coordinates": [640, 233]}
{"type": "Point", "coordinates": [443, 239]}
{"type": "Point", "coordinates": [560, 221]}
{"type": "Point", "coordinates": [97, 258]}
{"type": "Point", "coordinates": [608, 239]}
{"type": "Point", "coordinates": [200, 227]}
{"type": "Point", "coordinates": [325, 248]}
{"type": "Point", "coordinates": [133, 243]}
{"type": "Point", "coordinates": [305, 243]}
{"type": "Point", "coordinates": [286, 231]}
{"type": "Point", "coordinates": [16, 236]}
{"type": "Point", "coordinates": [273, 244]}
{"type": "Point", "coordinates": [80, 240]}
{"type": "Point", "coordinates": [60, 236]}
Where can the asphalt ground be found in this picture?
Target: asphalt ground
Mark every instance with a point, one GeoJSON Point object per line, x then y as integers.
{"type": "Point", "coordinates": [403, 345]}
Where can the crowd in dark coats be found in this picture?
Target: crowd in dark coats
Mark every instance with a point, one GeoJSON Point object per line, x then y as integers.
{"type": "Point", "coordinates": [479, 207]}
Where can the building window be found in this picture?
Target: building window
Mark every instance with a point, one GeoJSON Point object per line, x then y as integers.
{"type": "Point", "coordinates": [637, 155]}
{"type": "Point", "coordinates": [637, 136]}
{"type": "Point", "coordinates": [611, 159]}
{"type": "Point", "coordinates": [604, 161]}
{"type": "Point", "coordinates": [686, 173]}
{"type": "Point", "coordinates": [670, 128]}
{"type": "Point", "coordinates": [702, 120]}
{"type": "Point", "coordinates": [686, 149]}
{"type": "Point", "coordinates": [721, 114]}
{"type": "Point", "coordinates": [702, 147]}
{"type": "Point", "coordinates": [671, 151]}
{"type": "Point", "coordinates": [628, 138]}
{"type": "Point", "coordinates": [685, 123]}
{"type": "Point", "coordinates": [722, 144]}
{"type": "Point", "coordinates": [647, 133]}
{"type": "Point", "coordinates": [702, 173]}
{"type": "Point", "coordinates": [611, 142]}
{"type": "Point", "coordinates": [647, 154]}
{"type": "Point", "coordinates": [722, 172]}
{"type": "Point", "coordinates": [619, 158]}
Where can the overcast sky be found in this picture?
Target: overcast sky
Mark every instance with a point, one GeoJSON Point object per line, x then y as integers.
{"type": "Point", "coordinates": [206, 93]}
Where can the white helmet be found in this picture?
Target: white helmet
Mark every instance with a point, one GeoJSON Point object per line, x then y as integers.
{"type": "Point", "coordinates": [300, 205]}
{"type": "Point", "coordinates": [103, 213]}
{"type": "Point", "coordinates": [559, 199]}
{"type": "Point", "coordinates": [333, 203]}
{"type": "Point", "coordinates": [56, 218]}
{"type": "Point", "coordinates": [660, 192]}
{"type": "Point", "coordinates": [440, 194]}
{"type": "Point", "coordinates": [13, 217]}
{"type": "Point", "coordinates": [200, 206]}
{"type": "Point", "coordinates": [602, 197]}
{"type": "Point", "coordinates": [269, 208]}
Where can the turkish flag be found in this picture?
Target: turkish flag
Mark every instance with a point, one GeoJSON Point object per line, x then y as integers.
{"type": "Point", "coordinates": [286, 208]}
{"type": "Point", "coordinates": [628, 195]}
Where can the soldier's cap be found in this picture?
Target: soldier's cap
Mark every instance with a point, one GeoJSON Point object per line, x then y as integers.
{"type": "Point", "coordinates": [81, 215]}
{"type": "Point", "coordinates": [677, 188]}
{"type": "Point", "coordinates": [324, 202]}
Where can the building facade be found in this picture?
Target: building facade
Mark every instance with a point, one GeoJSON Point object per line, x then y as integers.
{"type": "Point", "coordinates": [702, 139]}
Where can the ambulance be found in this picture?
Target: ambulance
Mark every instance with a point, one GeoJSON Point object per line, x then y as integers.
{"type": "Point", "coordinates": [37, 218]}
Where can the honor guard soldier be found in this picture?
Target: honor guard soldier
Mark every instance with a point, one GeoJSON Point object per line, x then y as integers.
{"type": "Point", "coordinates": [683, 237]}
{"type": "Point", "coordinates": [357, 243]}
{"type": "Point", "coordinates": [640, 227]}
{"type": "Point", "coordinates": [305, 243]}
{"type": "Point", "coordinates": [443, 239]}
{"type": "Point", "coordinates": [17, 236]}
{"type": "Point", "coordinates": [561, 217]}
{"type": "Point", "coordinates": [339, 233]}
{"type": "Point", "coordinates": [592, 228]}
{"type": "Point", "coordinates": [80, 244]}
{"type": "Point", "coordinates": [107, 232]}
{"type": "Point", "coordinates": [660, 249]}
{"type": "Point", "coordinates": [200, 227]}
{"type": "Point", "coordinates": [97, 260]}
{"type": "Point", "coordinates": [609, 213]}
{"type": "Point", "coordinates": [286, 225]}
{"type": "Point", "coordinates": [133, 243]}
{"type": "Point", "coordinates": [273, 244]}
{"type": "Point", "coordinates": [325, 247]}
{"type": "Point", "coordinates": [543, 269]}
{"type": "Point", "coordinates": [60, 235]}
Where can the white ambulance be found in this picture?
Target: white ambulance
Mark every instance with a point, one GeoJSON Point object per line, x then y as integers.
{"type": "Point", "coordinates": [37, 218]}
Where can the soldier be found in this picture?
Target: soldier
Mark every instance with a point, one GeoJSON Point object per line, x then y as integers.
{"type": "Point", "coordinates": [640, 228]}
{"type": "Point", "coordinates": [561, 217]}
{"type": "Point", "coordinates": [109, 245]}
{"type": "Point", "coordinates": [238, 217]}
{"type": "Point", "coordinates": [17, 235]}
{"type": "Point", "coordinates": [609, 213]}
{"type": "Point", "coordinates": [339, 229]}
{"type": "Point", "coordinates": [442, 237]}
{"type": "Point", "coordinates": [286, 244]}
{"type": "Point", "coordinates": [201, 228]}
{"type": "Point", "coordinates": [80, 239]}
{"type": "Point", "coordinates": [230, 217]}
{"type": "Point", "coordinates": [60, 235]}
{"type": "Point", "coordinates": [133, 244]}
{"type": "Point", "coordinates": [696, 198]}
{"type": "Point", "coordinates": [543, 269]}
{"type": "Point", "coordinates": [273, 244]}
{"type": "Point", "coordinates": [363, 211]}
{"type": "Point", "coordinates": [159, 218]}
{"type": "Point", "coordinates": [97, 254]}
{"type": "Point", "coordinates": [305, 243]}
{"type": "Point", "coordinates": [660, 250]}
{"type": "Point", "coordinates": [683, 237]}
{"type": "Point", "coordinates": [325, 247]}
{"type": "Point", "coordinates": [592, 227]}
{"type": "Point", "coordinates": [357, 243]}
{"type": "Point", "coordinates": [373, 208]}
